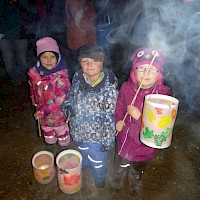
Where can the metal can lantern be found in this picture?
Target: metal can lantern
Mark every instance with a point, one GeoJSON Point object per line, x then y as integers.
{"type": "Point", "coordinates": [69, 174]}
{"type": "Point", "coordinates": [159, 114]}
{"type": "Point", "coordinates": [43, 167]}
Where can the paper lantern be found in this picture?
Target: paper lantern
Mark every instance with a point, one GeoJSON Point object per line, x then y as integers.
{"type": "Point", "coordinates": [159, 114]}
{"type": "Point", "coordinates": [69, 163]}
{"type": "Point", "coordinates": [43, 167]}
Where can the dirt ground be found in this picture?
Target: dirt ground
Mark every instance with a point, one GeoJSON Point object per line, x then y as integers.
{"type": "Point", "coordinates": [173, 174]}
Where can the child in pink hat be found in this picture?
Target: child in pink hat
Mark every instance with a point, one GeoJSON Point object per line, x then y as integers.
{"type": "Point", "coordinates": [131, 153]}
{"type": "Point", "coordinates": [49, 85]}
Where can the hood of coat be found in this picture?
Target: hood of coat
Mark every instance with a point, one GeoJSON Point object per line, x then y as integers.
{"type": "Point", "coordinates": [43, 72]}
{"type": "Point", "coordinates": [109, 78]}
{"type": "Point", "coordinates": [163, 89]}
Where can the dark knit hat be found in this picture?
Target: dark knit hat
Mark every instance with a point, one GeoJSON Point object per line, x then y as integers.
{"type": "Point", "coordinates": [91, 51]}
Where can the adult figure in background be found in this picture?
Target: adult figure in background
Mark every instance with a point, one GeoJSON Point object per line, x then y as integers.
{"type": "Point", "coordinates": [41, 9]}
{"type": "Point", "coordinates": [80, 26]}
{"type": "Point", "coordinates": [13, 44]}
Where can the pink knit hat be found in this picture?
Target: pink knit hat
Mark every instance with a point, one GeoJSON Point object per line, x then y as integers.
{"type": "Point", "coordinates": [47, 44]}
{"type": "Point", "coordinates": [144, 56]}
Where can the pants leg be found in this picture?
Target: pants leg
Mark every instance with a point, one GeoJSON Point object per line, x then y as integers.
{"type": "Point", "coordinates": [14, 57]}
{"type": "Point", "coordinates": [121, 169]}
{"type": "Point", "coordinates": [96, 159]}
{"type": "Point", "coordinates": [21, 47]}
{"type": "Point", "coordinates": [49, 134]}
{"type": "Point", "coordinates": [8, 55]}
{"type": "Point", "coordinates": [75, 65]}
{"type": "Point", "coordinates": [62, 133]}
{"type": "Point", "coordinates": [134, 177]}
{"type": "Point", "coordinates": [84, 152]}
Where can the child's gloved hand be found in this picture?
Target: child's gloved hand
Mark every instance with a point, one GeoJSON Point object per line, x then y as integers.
{"type": "Point", "coordinates": [133, 111]}
{"type": "Point", "coordinates": [119, 125]}
{"type": "Point", "coordinates": [69, 111]}
{"type": "Point", "coordinates": [37, 115]}
{"type": "Point", "coordinates": [103, 148]}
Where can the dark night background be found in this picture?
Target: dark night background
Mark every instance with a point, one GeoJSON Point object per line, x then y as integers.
{"type": "Point", "coordinates": [122, 26]}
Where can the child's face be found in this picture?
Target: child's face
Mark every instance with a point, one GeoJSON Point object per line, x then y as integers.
{"type": "Point", "coordinates": [48, 60]}
{"type": "Point", "coordinates": [151, 77]}
{"type": "Point", "coordinates": [91, 68]}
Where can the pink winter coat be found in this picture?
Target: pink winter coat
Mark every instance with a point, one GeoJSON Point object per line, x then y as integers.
{"type": "Point", "coordinates": [48, 94]}
{"type": "Point", "coordinates": [131, 148]}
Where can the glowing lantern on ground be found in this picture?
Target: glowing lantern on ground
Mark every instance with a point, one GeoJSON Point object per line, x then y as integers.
{"type": "Point", "coordinates": [69, 163]}
{"type": "Point", "coordinates": [43, 167]}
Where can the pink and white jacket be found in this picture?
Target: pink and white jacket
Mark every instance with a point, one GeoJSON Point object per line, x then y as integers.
{"type": "Point", "coordinates": [48, 92]}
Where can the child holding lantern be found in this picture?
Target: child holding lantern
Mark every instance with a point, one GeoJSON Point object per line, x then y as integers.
{"type": "Point", "coordinates": [91, 102]}
{"type": "Point", "coordinates": [146, 77]}
{"type": "Point", "coordinates": [49, 84]}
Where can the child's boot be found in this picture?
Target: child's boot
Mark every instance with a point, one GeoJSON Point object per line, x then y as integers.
{"type": "Point", "coordinates": [100, 182]}
{"type": "Point", "coordinates": [133, 183]}
{"type": "Point", "coordinates": [134, 178]}
{"type": "Point", "coordinates": [119, 177]}
{"type": "Point", "coordinates": [121, 169]}
{"type": "Point", "coordinates": [63, 142]}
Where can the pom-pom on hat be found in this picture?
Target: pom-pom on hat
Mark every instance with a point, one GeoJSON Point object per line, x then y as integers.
{"type": "Point", "coordinates": [91, 51]}
{"type": "Point", "coordinates": [144, 56]}
{"type": "Point", "coordinates": [47, 44]}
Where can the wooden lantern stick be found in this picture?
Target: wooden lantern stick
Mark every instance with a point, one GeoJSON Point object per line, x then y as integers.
{"type": "Point", "coordinates": [39, 128]}
{"type": "Point", "coordinates": [134, 98]}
